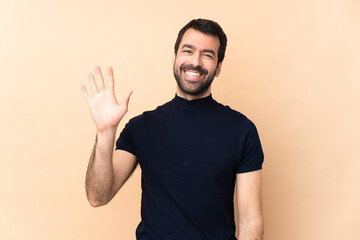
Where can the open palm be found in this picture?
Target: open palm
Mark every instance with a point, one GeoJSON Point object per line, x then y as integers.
{"type": "Point", "coordinates": [105, 110]}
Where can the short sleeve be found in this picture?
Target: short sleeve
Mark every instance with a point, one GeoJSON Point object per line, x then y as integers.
{"type": "Point", "coordinates": [126, 140]}
{"type": "Point", "coordinates": [252, 156]}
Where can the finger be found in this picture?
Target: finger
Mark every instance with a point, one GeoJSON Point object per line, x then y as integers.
{"type": "Point", "coordinates": [110, 82]}
{"type": "Point", "coordinates": [85, 93]}
{"type": "Point", "coordinates": [99, 78]}
{"type": "Point", "coordinates": [94, 88]}
{"type": "Point", "coordinates": [127, 98]}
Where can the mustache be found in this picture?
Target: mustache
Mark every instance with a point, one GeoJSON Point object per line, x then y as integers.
{"type": "Point", "coordinates": [190, 67]}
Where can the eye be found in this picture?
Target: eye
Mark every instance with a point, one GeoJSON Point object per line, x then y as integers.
{"type": "Point", "coordinates": [208, 56]}
{"type": "Point", "coordinates": [186, 51]}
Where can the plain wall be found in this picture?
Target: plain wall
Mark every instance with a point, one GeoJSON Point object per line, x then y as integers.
{"type": "Point", "coordinates": [292, 67]}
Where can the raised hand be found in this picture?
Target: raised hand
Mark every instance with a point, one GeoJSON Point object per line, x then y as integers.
{"type": "Point", "coordinates": [105, 110]}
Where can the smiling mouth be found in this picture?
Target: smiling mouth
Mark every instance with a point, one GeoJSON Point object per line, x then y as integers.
{"type": "Point", "coordinates": [192, 75]}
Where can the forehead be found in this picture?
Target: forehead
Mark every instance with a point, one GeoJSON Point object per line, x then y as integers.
{"type": "Point", "coordinates": [200, 40]}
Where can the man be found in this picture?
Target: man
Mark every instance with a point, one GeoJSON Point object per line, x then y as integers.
{"type": "Point", "coordinates": [191, 150]}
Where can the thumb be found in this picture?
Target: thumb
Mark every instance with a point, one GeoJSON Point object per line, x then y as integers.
{"type": "Point", "coordinates": [126, 99]}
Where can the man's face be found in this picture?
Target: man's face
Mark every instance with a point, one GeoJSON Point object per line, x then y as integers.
{"type": "Point", "coordinates": [196, 63]}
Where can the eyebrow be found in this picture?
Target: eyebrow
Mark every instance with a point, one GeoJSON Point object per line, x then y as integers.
{"type": "Point", "coordinates": [192, 47]}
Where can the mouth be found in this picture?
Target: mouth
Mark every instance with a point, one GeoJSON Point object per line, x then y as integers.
{"type": "Point", "coordinates": [192, 75]}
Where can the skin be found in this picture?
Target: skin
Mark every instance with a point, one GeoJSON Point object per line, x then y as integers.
{"type": "Point", "coordinates": [198, 50]}
{"type": "Point", "coordinates": [108, 170]}
{"type": "Point", "coordinates": [249, 201]}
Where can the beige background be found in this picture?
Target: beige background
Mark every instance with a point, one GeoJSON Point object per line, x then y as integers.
{"type": "Point", "coordinates": [293, 67]}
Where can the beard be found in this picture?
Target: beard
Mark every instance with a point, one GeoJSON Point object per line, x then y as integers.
{"type": "Point", "coordinates": [194, 88]}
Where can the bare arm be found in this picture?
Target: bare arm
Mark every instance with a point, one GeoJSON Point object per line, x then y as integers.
{"type": "Point", "coordinates": [248, 188]}
{"type": "Point", "coordinates": [107, 170]}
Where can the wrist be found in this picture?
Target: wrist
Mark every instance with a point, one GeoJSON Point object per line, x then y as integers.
{"type": "Point", "coordinates": [111, 131]}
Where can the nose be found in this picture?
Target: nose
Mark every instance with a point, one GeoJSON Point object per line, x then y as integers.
{"type": "Point", "coordinates": [196, 60]}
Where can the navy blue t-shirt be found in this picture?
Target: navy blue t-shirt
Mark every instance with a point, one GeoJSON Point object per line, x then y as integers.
{"type": "Point", "coordinates": [189, 153]}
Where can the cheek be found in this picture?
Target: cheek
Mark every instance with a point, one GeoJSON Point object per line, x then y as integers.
{"type": "Point", "coordinates": [179, 61]}
{"type": "Point", "coordinates": [176, 61]}
{"type": "Point", "coordinates": [176, 66]}
{"type": "Point", "coordinates": [211, 68]}
{"type": "Point", "coordinates": [183, 59]}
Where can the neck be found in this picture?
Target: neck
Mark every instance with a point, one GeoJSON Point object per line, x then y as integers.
{"type": "Point", "coordinates": [190, 97]}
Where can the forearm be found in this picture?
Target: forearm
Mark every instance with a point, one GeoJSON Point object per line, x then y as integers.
{"type": "Point", "coordinates": [252, 229]}
{"type": "Point", "coordinates": [99, 175]}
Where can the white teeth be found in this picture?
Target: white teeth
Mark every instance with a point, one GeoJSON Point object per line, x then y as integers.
{"type": "Point", "coordinates": [193, 74]}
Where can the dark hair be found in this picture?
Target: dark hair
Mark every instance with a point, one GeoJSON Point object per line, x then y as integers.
{"type": "Point", "coordinates": [207, 27]}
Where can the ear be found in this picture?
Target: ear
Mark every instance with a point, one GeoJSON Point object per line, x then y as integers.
{"type": "Point", "coordinates": [218, 69]}
{"type": "Point", "coordinates": [173, 60]}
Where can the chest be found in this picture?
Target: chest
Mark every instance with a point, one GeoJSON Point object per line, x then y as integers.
{"type": "Point", "coordinates": [190, 151]}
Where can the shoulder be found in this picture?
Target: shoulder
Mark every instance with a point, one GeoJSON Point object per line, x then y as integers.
{"type": "Point", "coordinates": [148, 115]}
{"type": "Point", "coordinates": [234, 117]}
